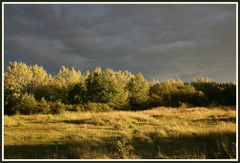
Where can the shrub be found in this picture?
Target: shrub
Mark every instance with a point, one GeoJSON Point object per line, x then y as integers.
{"type": "Point", "coordinates": [43, 107]}
{"type": "Point", "coordinates": [125, 149]}
{"type": "Point", "coordinates": [26, 105]}
{"type": "Point", "coordinates": [57, 107]}
{"type": "Point", "coordinates": [52, 107]}
{"type": "Point", "coordinates": [68, 107]}
{"type": "Point", "coordinates": [183, 105]}
{"type": "Point", "coordinates": [76, 108]}
{"type": "Point", "coordinates": [97, 107]}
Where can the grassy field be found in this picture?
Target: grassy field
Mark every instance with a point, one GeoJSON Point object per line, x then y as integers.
{"type": "Point", "coordinates": [159, 133]}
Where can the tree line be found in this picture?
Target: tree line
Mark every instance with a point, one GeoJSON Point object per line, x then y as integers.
{"type": "Point", "coordinates": [30, 89]}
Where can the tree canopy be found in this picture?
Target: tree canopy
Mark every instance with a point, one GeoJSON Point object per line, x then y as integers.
{"type": "Point", "coordinates": [29, 86]}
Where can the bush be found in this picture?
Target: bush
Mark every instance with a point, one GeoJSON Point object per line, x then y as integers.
{"type": "Point", "coordinates": [68, 107]}
{"type": "Point", "coordinates": [183, 105]}
{"type": "Point", "coordinates": [57, 107]}
{"type": "Point", "coordinates": [76, 108]}
{"type": "Point", "coordinates": [43, 107]}
{"type": "Point", "coordinates": [97, 107]}
{"type": "Point", "coordinates": [26, 105]}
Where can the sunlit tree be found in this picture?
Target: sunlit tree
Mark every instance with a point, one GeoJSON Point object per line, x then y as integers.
{"type": "Point", "coordinates": [138, 89]}
{"type": "Point", "coordinates": [16, 80]}
{"type": "Point", "coordinates": [103, 87]}
{"type": "Point", "coordinates": [64, 81]}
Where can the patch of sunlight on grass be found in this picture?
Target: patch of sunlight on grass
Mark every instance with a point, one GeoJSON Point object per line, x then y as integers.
{"type": "Point", "coordinates": [142, 134]}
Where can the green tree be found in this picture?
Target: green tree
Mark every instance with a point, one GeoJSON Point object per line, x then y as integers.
{"type": "Point", "coordinates": [174, 92]}
{"type": "Point", "coordinates": [227, 93]}
{"type": "Point", "coordinates": [65, 81]}
{"type": "Point", "coordinates": [209, 88]}
{"type": "Point", "coordinates": [103, 87]}
{"type": "Point", "coordinates": [162, 92]}
{"type": "Point", "coordinates": [77, 94]}
{"type": "Point", "coordinates": [138, 89]}
{"type": "Point", "coordinates": [123, 77]}
{"type": "Point", "coordinates": [16, 79]}
{"type": "Point", "coordinates": [39, 84]}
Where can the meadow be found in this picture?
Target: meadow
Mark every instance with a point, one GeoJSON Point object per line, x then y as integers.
{"type": "Point", "coordinates": [157, 133]}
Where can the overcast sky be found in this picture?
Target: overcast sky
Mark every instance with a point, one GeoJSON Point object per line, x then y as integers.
{"type": "Point", "coordinates": [162, 41]}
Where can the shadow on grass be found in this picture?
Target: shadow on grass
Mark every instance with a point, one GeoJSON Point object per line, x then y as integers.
{"type": "Point", "coordinates": [78, 121]}
{"type": "Point", "coordinates": [210, 146]}
{"type": "Point", "coordinates": [152, 145]}
{"type": "Point", "coordinates": [74, 121]}
{"type": "Point", "coordinates": [69, 150]}
{"type": "Point", "coordinates": [216, 119]}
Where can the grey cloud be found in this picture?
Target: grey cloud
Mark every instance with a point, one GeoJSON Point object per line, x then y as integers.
{"type": "Point", "coordinates": [161, 41]}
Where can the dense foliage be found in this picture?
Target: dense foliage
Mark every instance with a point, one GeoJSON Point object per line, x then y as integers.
{"type": "Point", "coordinates": [30, 89]}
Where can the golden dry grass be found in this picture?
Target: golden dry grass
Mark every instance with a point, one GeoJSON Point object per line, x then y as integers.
{"type": "Point", "coordinates": [157, 133]}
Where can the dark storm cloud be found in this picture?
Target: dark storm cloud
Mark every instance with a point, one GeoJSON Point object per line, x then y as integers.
{"type": "Point", "coordinates": [162, 41]}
